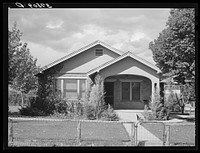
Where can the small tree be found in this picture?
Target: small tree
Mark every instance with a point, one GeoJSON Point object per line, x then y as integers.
{"type": "Point", "coordinates": [159, 110]}
{"type": "Point", "coordinates": [97, 96]}
{"type": "Point", "coordinates": [21, 64]}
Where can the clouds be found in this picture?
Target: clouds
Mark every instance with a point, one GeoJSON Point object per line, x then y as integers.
{"type": "Point", "coordinates": [64, 30]}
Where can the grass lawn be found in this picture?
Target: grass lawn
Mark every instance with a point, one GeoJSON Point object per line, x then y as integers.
{"type": "Point", "coordinates": [182, 133]}
{"type": "Point", "coordinates": [63, 133]}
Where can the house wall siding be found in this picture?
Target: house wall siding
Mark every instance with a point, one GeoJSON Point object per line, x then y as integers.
{"type": "Point", "coordinates": [86, 61]}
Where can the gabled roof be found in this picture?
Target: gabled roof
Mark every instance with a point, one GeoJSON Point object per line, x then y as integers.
{"type": "Point", "coordinates": [127, 54]}
{"type": "Point", "coordinates": [98, 42]}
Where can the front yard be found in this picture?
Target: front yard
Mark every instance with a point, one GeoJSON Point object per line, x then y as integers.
{"type": "Point", "coordinates": [64, 133]}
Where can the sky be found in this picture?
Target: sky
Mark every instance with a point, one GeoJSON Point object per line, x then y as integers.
{"type": "Point", "coordinates": [54, 33]}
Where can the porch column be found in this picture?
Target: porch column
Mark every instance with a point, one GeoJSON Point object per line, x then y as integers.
{"type": "Point", "coordinates": [155, 85]}
{"type": "Point", "coordinates": [62, 87]}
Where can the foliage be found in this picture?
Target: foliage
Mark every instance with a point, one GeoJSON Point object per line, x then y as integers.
{"type": "Point", "coordinates": [109, 114]}
{"type": "Point", "coordinates": [13, 47]}
{"type": "Point", "coordinates": [188, 92]}
{"type": "Point", "coordinates": [15, 96]}
{"type": "Point", "coordinates": [174, 49]}
{"type": "Point", "coordinates": [22, 66]}
{"type": "Point", "coordinates": [176, 102]}
{"type": "Point", "coordinates": [172, 102]}
{"type": "Point", "coordinates": [89, 111]}
{"type": "Point", "coordinates": [47, 96]}
{"type": "Point", "coordinates": [61, 106]}
{"type": "Point", "coordinates": [31, 111]}
{"type": "Point", "coordinates": [89, 88]}
{"type": "Point", "coordinates": [96, 99]}
{"type": "Point", "coordinates": [159, 111]}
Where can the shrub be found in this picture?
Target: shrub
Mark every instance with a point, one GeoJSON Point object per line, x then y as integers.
{"type": "Point", "coordinates": [172, 102]}
{"type": "Point", "coordinates": [59, 115]}
{"type": "Point", "coordinates": [30, 111]}
{"type": "Point", "coordinates": [89, 111]}
{"type": "Point", "coordinates": [14, 97]}
{"type": "Point", "coordinates": [109, 114]}
{"type": "Point", "coordinates": [158, 110]}
{"type": "Point", "coordinates": [61, 107]}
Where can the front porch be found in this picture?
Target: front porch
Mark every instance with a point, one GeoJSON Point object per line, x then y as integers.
{"type": "Point", "coordinates": [127, 91]}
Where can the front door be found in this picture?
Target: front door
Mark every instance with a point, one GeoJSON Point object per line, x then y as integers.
{"type": "Point", "coordinates": [109, 95]}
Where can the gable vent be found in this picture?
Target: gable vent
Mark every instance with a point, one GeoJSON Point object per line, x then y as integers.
{"type": "Point", "coordinates": [98, 51]}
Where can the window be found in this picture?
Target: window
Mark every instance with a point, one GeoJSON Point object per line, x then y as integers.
{"type": "Point", "coordinates": [131, 91]}
{"type": "Point", "coordinates": [125, 90]}
{"type": "Point", "coordinates": [98, 52]}
{"type": "Point", "coordinates": [82, 88]}
{"type": "Point", "coordinates": [135, 91]}
{"type": "Point", "coordinates": [71, 88]}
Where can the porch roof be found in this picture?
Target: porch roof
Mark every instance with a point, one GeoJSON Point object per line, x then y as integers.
{"type": "Point", "coordinates": [127, 54]}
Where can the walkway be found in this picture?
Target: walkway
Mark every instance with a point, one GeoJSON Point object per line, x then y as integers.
{"type": "Point", "coordinates": [145, 138]}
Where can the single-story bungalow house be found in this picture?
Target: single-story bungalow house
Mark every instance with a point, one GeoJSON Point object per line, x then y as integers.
{"type": "Point", "coordinates": [128, 79]}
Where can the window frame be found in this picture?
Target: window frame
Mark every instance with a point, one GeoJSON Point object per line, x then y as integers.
{"type": "Point", "coordinates": [78, 88]}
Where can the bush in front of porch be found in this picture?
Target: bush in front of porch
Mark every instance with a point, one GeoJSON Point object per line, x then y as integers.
{"type": "Point", "coordinates": [159, 110]}
{"type": "Point", "coordinates": [95, 107]}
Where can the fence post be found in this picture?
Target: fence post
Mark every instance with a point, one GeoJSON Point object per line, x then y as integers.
{"type": "Point", "coordinates": [132, 134]}
{"type": "Point", "coordinates": [135, 131]}
{"type": "Point", "coordinates": [11, 130]}
{"type": "Point", "coordinates": [167, 135]}
{"type": "Point", "coordinates": [79, 133]}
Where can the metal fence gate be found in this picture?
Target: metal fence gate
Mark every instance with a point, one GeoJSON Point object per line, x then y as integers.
{"type": "Point", "coordinates": [150, 134]}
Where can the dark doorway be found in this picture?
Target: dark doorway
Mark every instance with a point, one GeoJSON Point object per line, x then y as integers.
{"type": "Point", "coordinates": [109, 95]}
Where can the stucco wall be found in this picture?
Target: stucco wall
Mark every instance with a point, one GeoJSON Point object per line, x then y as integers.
{"type": "Point", "coordinates": [86, 61]}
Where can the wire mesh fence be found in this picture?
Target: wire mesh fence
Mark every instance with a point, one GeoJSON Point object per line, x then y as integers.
{"type": "Point", "coordinates": [49, 132]}
{"type": "Point", "coordinates": [181, 134]}
{"type": "Point", "coordinates": [63, 132]}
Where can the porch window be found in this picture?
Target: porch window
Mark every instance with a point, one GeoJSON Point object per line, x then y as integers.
{"type": "Point", "coordinates": [130, 91]}
{"type": "Point", "coordinates": [125, 90]}
{"type": "Point", "coordinates": [135, 91]}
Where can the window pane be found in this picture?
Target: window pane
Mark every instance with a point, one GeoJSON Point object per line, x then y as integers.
{"type": "Point", "coordinates": [70, 84]}
{"type": "Point", "coordinates": [125, 90]}
{"type": "Point", "coordinates": [70, 89]}
{"type": "Point", "coordinates": [82, 88]}
{"type": "Point", "coordinates": [135, 91]}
